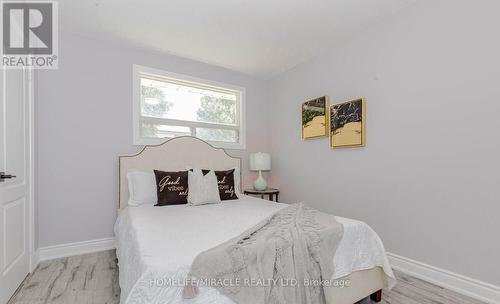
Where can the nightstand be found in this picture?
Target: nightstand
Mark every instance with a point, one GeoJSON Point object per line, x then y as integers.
{"type": "Point", "coordinates": [271, 192]}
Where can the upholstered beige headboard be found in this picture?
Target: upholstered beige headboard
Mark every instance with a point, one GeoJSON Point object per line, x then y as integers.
{"type": "Point", "coordinates": [173, 155]}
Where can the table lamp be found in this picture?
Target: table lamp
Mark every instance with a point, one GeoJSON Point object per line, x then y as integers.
{"type": "Point", "coordinates": [260, 162]}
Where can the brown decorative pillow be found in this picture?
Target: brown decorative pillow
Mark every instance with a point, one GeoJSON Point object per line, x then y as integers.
{"type": "Point", "coordinates": [171, 187]}
{"type": "Point", "coordinates": [225, 179]}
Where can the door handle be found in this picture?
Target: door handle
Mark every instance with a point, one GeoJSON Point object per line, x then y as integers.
{"type": "Point", "coordinates": [4, 176]}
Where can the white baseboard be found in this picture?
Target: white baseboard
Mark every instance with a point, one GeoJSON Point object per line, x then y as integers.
{"type": "Point", "coordinates": [34, 260]}
{"type": "Point", "coordinates": [66, 250]}
{"type": "Point", "coordinates": [464, 285]}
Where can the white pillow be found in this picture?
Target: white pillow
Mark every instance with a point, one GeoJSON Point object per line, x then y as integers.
{"type": "Point", "coordinates": [141, 188]}
{"type": "Point", "coordinates": [203, 189]}
{"type": "Point", "coordinates": [237, 182]}
{"type": "Point", "coordinates": [237, 177]}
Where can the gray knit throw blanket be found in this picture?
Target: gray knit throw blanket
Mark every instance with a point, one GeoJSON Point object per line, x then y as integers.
{"type": "Point", "coordinates": [287, 259]}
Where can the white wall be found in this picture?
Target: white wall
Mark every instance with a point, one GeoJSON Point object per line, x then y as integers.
{"type": "Point", "coordinates": [84, 123]}
{"type": "Point", "coordinates": [428, 179]}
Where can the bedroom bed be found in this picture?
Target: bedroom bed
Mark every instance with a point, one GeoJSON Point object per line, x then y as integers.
{"type": "Point", "coordinates": [157, 245]}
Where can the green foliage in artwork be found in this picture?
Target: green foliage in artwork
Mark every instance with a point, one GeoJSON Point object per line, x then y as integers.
{"type": "Point", "coordinates": [313, 108]}
{"type": "Point", "coordinates": [308, 115]}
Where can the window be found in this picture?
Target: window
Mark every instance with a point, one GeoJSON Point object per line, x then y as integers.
{"type": "Point", "coordinates": [167, 105]}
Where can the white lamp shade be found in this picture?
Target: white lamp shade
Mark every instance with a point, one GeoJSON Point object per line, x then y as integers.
{"type": "Point", "coordinates": [260, 161]}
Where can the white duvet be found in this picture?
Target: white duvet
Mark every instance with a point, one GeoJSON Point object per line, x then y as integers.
{"type": "Point", "coordinates": [156, 246]}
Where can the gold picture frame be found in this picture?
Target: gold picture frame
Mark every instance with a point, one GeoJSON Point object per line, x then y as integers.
{"type": "Point", "coordinates": [348, 124]}
{"type": "Point", "coordinates": [315, 118]}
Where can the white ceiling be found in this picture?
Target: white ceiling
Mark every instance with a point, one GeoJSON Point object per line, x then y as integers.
{"type": "Point", "coordinates": [257, 37]}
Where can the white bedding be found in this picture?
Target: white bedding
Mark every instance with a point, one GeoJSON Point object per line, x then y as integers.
{"type": "Point", "coordinates": [156, 246]}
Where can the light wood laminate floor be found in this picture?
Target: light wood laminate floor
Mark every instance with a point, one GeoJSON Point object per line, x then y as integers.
{"type": "Point", "coordinates": [93, 279]}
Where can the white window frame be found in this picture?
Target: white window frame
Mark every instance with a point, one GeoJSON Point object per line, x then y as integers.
{"type": "Point", "coordinates": [138, 70]}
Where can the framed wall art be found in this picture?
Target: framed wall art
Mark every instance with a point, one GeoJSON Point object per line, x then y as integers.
{"type": "Point", "coordinates": [315, 118]}
{"type": "Point", "coordinates": [347, 124]}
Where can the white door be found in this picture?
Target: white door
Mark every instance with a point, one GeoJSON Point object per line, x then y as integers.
{"type": "Point", "coordinates": [14, 192]}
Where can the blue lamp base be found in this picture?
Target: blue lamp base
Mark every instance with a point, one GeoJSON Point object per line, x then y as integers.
{"type": "Point", "coordinates": [260, 183]}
